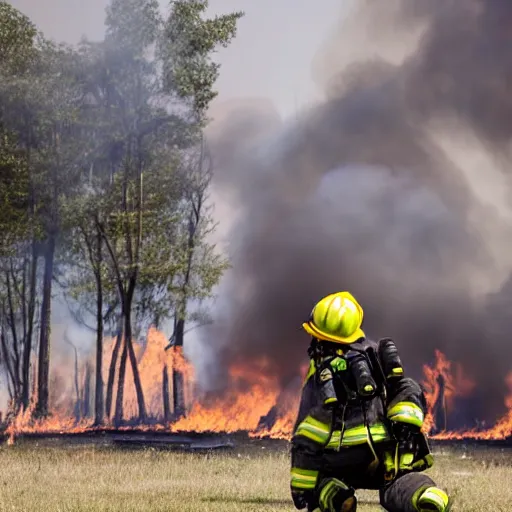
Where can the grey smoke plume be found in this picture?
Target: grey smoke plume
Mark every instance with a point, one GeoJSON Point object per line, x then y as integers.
{"type": "Point", "coordinates": [394, 187]}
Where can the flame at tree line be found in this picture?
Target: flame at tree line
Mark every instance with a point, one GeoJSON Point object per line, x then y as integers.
{"type": "Point", "coordinates": [254, 402]}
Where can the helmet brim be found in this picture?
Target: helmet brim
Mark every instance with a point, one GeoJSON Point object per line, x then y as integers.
{"type": "Point", "coordinates": [313, 331]}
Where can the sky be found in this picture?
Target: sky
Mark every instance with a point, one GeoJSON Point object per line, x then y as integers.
{"type": "Point", "coordinates": [271, 56]}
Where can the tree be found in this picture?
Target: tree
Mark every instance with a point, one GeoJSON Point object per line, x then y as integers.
{"type": "Point", "coordinates": [202, 267]}
{"type": "Point", "coordinates": [17, 53]}
{"type": "Point", "coordinates": [186, 49]}
{"type": "Point", "coordinates": [17, 40]}
{"type": "Point", "coordinates": [39, 100]}
{"type": "Point", "coordinates": [13, 193]}
{"type": "Point", "coordinates": [19, 46]}
{"type": "Point", "coordinates": [59, 156]}
{"type": "Point", "coordinates": [89, 288]}
{"type": "Point", "coordinates": [103, 180]}
{"type": "Point", "coordinates": [139, 182]}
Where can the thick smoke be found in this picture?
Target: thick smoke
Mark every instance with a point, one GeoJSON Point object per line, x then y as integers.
{"type": "Point", "coordinates": [394, 187]}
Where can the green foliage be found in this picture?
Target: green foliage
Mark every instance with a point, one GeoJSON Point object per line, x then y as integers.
{"type": "Point", "coordinates": [40, 96]}
{"type": "Point", "coordinates": [186, 48]}
{"type": "Point", "coordinates": [139, 174]}
{"type": "Point", "coordinates": [101, 146]}
{"type": "Point", "coordinates": [133, 25]}
{"type": "Point", "coordinates": [13, 193]}
{"type": "Point", "coordinates": [17, 35]}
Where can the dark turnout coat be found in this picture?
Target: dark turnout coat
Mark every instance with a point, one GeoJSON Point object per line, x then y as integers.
{"type": "Point", "coordinates": [359, 418]}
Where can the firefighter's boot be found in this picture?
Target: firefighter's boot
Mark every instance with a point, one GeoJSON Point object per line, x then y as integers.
{"type": "Point", "coordinates": [335, 496]}
{"type": "Point", "coordinates": [431, 499]}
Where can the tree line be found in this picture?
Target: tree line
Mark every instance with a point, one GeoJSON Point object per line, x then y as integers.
{"type": "Point", "coordinates": [104, 180]}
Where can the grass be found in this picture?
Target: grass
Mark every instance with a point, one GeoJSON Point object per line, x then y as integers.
{"type": "Point", "coordinates": [94, 479]}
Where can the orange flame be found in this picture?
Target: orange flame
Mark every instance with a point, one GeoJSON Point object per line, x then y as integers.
{"type": "Point", "coordinates": [254, 402]}
{"type": "Point", "coordinates": [455, 384]}
{"type": "Point", "coordinates": [501, 430]}
{"type": "Point", "coordinates": [252, 394]}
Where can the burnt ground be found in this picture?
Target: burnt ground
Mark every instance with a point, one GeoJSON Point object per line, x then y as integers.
{"type": "Point", "coordinates": [489, 451]}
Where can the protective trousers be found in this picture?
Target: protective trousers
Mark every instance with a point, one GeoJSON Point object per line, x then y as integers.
{"type": "Point", "coordinates": [412, 492]}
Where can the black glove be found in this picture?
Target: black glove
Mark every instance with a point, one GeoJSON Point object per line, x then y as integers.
{"type": "Point", "coordinates": [405, 431]}
{"type": "Point", "coordinates": [413, 449]}
{"type": "Point", "coordinates": [300, 499]}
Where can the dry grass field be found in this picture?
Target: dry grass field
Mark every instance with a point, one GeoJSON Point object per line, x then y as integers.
{"type": "Point", "coordinates": [91, 479]}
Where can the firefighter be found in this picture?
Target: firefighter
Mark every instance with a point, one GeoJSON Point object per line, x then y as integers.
{"type": "Point", "coordinates": [359, 421]}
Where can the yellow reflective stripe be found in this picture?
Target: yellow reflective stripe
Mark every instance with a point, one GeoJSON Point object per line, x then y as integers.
{"type": "Point", "coordinates": [335, 439]}
{"type": "Point", "coordinates": [303, 478]}
{"type": "Point", "coordinates": [354, 436]}
{"type": "Point", "coordinates": [329, 492]}
{"type": "Point", "coordinates": [304, 472]}
{"type": "Point", "coordinates": [318, 425]}
{"type": "Point", "coordinates": [406, 412]}
{"type": "Point", "coordinates": [433, 496]}
{"type": "Point", "coordinates": [358, 435]}
{"type": "Point", "coordinates": [314, 430]}
{"type": "Point", "coordinates": [379, 432]}
{"type": "Point", "coordinates": [305, 432]}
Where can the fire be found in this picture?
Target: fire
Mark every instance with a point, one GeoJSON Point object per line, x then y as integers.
{"type": "Point", "coordinates": [501, 430]}
{"type": "Point", "coordinates": [253, 401]}
{"type": "Point", "coordinates": [254, 395]}
{"type": "Point", "coordinates": [234, 411]}
{"type": "Point", "coordinates": [253, 391]}
{"type": "Point", "coordinates": [443, 384]}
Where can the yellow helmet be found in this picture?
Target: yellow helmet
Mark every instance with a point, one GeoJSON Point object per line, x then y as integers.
{"type": "Point", "coordinates": [337, 318]}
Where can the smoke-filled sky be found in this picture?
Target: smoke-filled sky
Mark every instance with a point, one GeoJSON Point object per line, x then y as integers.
{"type": "Point", "coordinates": [395, 186]}
{"type": "Point", "coordinates": [393, 182]}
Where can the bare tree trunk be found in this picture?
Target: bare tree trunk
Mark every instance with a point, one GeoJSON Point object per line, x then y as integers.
{"type": "Point", "coordinates": [44, 341]}
{"type": "Point", "coordinates": [165, 395]}
{"type": "Point", "coordinates": [8, 364]}
{"type": "Point", "coordinates": [194, 219]}
{"type": "Point", "coordinates": [439, 408]}
{"type": "Point", "coordinates": [98, 399]}
{"type": "Point", "coordinates": [128, 351]}
{"type": "Point", "coordinates": [15, 340]}
{"type": "Point", "coordinates": [135, 369]}
{"type": "Point", "coordinates": [78, 406]}
{"type": "Point", "coordinates": [118, 417]}
{"type": "Point", "coordinates": [86, 399]}
{"type": "Point", "coordinates": [178, 381]}
{"type": "Point", "coordinates": [112, 369]}
{"type": "Point", "coordinates": [27, 348]}
{"type": "Point", "coordinates": [177, 375]}
{"type": "Point", "coordinates": [178, 396]}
